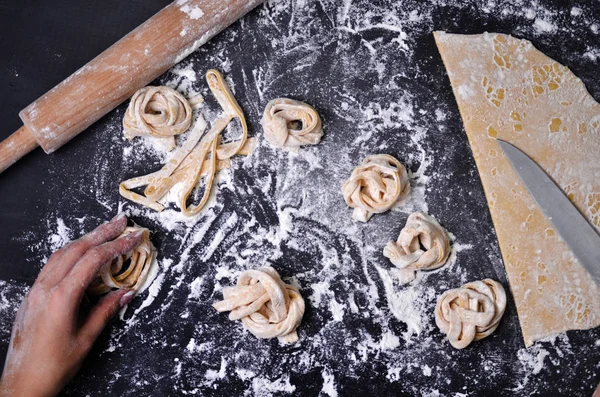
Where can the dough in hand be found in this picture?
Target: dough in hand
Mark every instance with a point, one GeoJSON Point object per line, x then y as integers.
{"type": "Point", "coordinates": [470, 312]}
{"type": "Point", "coordinates": [277, 119]}
{"type": "Point", "coordinates": [160, 112]}
{"type": "Point", "coordinates": [422, 245]}
{"type": "Point", "coordinates": [375, 186]}
{"type": "Point", "coordinates": [119, 274]}
{"type": "Point", "coordinates": [267, 306]}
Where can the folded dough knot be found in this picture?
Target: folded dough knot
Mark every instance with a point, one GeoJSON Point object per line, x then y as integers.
{"type": "Point", "coordinates": [266, 305]}
{"type": "Point", "coordinates": [278, 116]}
{"type": "Point", "coordinates": [422, 245]}
{"type": "Point", "coordinates": [471, 312]}
{"type": "Point", "coordinates": [160, 112]}
{"type": "Point", "coordinates": [375, 186]}
{"type": "Point", "coordinates": [117, 274]}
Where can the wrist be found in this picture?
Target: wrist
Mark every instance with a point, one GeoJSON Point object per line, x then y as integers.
{"type": "Point", "coordinates": [12, 386]}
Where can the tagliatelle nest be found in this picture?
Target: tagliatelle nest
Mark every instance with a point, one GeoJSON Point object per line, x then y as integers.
{"type": "Point", "coordinates": [196, 162]}
{"type": "Point", "coordinates": [375, 186]}
{"type": "Point", "coordinates": [126, 271]}
{"type": "Point", "coordinates": [422, 245]}
{"type": "Point", "coordinates": [277, 122]}
{"type": "Point", "coordinates": [160, 112]}
{"type": "Point", "coordinates": [267, 306]}
{"type": "Point", "coordinates": [471, 312]}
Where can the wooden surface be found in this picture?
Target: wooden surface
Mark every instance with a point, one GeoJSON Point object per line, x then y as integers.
{"type": "Point", "coordinates": [16, 146]}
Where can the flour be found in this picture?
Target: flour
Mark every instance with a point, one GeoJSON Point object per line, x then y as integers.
{"type": "Point", "coordinates": [544, 26]}
{"type": "Point", "coordinates": [403, 304]}
{"type": "Point", "coordinates": [532, 361]}
{"type": "Point", "coordinates": [262, 387]}
{"type": "Point", "coordinates": [337, 310]}
{"type": "Point", "coordinates": [319, 289]}
{"type": "Point", "coordinates": [153, 284]}
{"type": "Point", "coordinates": [362, 66]}
{"type": "Point", "coordinates": [214, 375]}
{"type": "Point", "coordinates": [389, 341]}
{"type": "Point", "coordinates": [592, 54]}
{"type": "Point", "coordinates": [426, 370]}
{"type": "Point", "coordinates": [11, 295]}
{"type": "Point", "coordinates": [61, 236]}
{"type": "Point", "coordinates": [193, 12]}
{"type": "Point", "coordinates": [230, 223]}
{"type": "Point", "coordinates": [329, 388]}
{"type": "Point", "coordinates": [576, 11]}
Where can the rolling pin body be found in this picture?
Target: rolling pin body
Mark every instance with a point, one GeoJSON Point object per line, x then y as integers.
{"type": "Point", "coordinates": [114, 75]}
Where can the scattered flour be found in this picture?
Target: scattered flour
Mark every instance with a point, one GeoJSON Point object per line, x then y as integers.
{"type": "Point", "coordinates": [329, 388]}
{"type": "Point", "coordinates": [544, 26]}
{"type": "Point", "coordinates": [285, 210]}
{"type": "Point", "coordinates": [263, 387]}
{"type": "Point", "coordinates": [60, 237]}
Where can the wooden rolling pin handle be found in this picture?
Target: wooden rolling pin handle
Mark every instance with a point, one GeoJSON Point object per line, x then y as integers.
{"type": "Point", "coordinates": [16, 146]}
{"type": "Point", "coordinates": [115, 75]}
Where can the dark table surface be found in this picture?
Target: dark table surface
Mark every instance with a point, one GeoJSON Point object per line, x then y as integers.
{"type": "Point", "coordinates": [372, 71]}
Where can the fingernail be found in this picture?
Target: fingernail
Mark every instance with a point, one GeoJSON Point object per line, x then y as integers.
{"type": "Point", "coordinates": [125, 299]}
{"type": "Point", "coordinates": [119, 216]}
{"type": "Point", "coordinates": [137, 234]}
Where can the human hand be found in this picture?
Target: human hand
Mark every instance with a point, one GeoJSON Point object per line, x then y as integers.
{"type": "Point", "coordinates": [49, 339]}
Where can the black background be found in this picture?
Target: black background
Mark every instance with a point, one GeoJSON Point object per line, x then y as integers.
{"type": "Point", "coordinates": [43, 42]}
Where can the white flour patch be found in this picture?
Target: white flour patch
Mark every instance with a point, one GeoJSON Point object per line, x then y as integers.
{"type": "Point", "coordinates": [389, 341]}
{"type": "Point", "coordinates": [194, 12]}
{"type": "Point", "coordinates": [329, 388]}
{"type": "Point", "coordinates": [214, 375]}
{"type": "Point", "coordinates": [405, 304]}
{"type": "Point", "coordinates": [532, 360]}
{"type": "Point", "coordinates": [263, 387]}
{"type": "Point", "coordinates": [544, 26]}
{"type": "Point", "coordinates": [60, 237]}
{"type": "Point", "coordinates": [426, 370]}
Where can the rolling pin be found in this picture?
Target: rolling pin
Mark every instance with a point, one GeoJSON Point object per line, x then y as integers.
{"type": "Point", "coordinates": [113, 76]}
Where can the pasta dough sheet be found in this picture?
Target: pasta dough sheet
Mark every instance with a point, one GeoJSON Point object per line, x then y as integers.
{"type": "Point", "coordinates": [507, 89]}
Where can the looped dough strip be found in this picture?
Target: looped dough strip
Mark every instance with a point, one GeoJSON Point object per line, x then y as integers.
{"type": "Point", "coordinates": [470, 312]}
{"type": "Point", "coordinates": [281, 111]}
{"type": "Point", "coordinates": [423, 244]}
{"type": "Point", "coordinates": [197, 158]}
{"type": "Point", "coordinates": [112, 275]}
{"type": "Point", "coordinates": [267, 306]}
{"type": "Point", "coordinates": [160, 112]}
{"type": "Point", "coordinates": [375, 186]}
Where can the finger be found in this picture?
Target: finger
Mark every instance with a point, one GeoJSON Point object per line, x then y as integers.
{"type": "Point", "coordinates": [102, 313]}
{"type": "Point", "coordinates": [63, 260]}
{"type": "Point", "coordinates": [84, 271]}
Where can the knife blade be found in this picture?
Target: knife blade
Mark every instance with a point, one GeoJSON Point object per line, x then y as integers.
{"type": "Point", "coordinates": [571, 225]}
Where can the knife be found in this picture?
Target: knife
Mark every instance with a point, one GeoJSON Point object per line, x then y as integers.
{"type": "Point", "coordinates": [572, 226]}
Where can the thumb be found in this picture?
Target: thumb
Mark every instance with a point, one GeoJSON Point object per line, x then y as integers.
{"type": "Point", "coordinates": [102, 313]}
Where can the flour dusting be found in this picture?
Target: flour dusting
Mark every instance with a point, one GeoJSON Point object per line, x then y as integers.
{"type": "Point", "coordinates": [371, 71]}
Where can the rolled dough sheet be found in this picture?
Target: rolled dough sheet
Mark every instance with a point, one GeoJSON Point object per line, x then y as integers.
{"type": "Point", "coordinates": [507, 89]}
